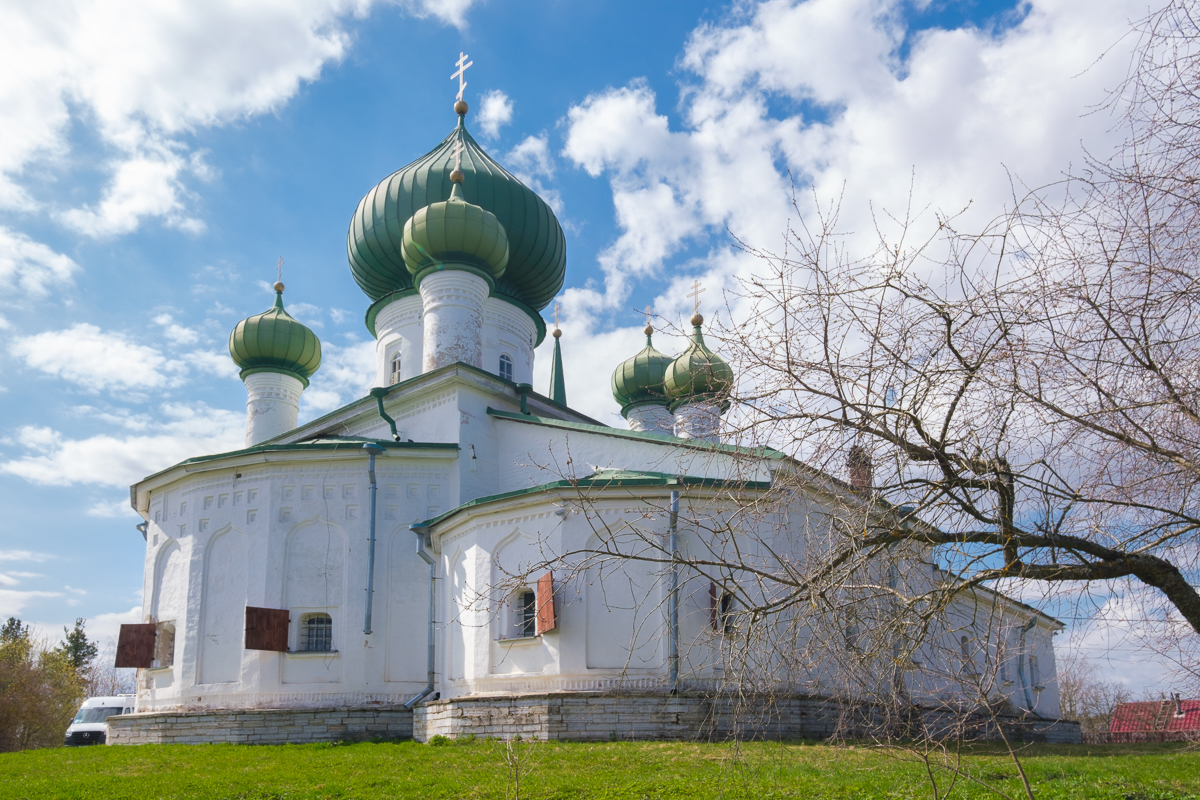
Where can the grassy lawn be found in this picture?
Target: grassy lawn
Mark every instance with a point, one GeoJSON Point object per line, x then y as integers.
{"type": "Point", "coordinates": [565, 771]}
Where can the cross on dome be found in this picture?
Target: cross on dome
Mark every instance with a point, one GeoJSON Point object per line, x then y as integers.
{"type": "Point", "coordinates": [556, 316]}
{"type": "Point", "coordinates": [462, 65]}
{"type": "Point", "coordinates": [279, 275]}
{"type": "Point", "coordinates": [695, 295]}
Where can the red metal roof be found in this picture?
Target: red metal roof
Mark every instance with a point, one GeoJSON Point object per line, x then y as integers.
{"type": "Point", "coordinates": [1157, 715]}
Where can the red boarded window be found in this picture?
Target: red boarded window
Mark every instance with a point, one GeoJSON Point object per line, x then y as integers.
{"type": "Point", "coordinates": [267, 629]}
{"type": "Point", "coordinates": [135, 646]}
{"type": "Point", "coordinates": [547, 620]}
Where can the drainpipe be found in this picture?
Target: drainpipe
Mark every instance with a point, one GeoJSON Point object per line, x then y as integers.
{"type": "Point", "coordinates": [1029, 701]}
{"type": "Point", "coordinates": [523, 390]}
{"type": "Point", "coordinates": [673, 597]}
{"type": "Point", "coordinates": [372, 451]}
{"type": "Point", "coordinates": [379, 393]}
{"type": "Point", "coordinates": [423, 543]}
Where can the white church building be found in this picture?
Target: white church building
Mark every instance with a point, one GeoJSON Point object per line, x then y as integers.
{"type": "Point", "coordinates": [417, 561]}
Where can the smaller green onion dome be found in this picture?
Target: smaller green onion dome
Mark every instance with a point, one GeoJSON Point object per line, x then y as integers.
{"type": "Point", "coordinates": [639, 380]}
{"type": "Point", "coordinates": [274, 341]}
{"type": "Point", "coordinates": [698, 373]}
{"type": "Point", "coordinates": [454, 231]}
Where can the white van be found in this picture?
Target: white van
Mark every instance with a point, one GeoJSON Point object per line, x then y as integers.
{"type": "Point", "coordinates": [89, 727]}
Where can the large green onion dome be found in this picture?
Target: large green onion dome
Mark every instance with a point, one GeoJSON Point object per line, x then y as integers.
{"type": "Point", "coordinates": [699, 373]}
{"type": "Point", "coordinates": [537, 248]}
{"type": "Point", "coordinates": [274, 341]}
{"type": "Point", "coordinates": [639, 380]}
{"type": "Point", "coordinates": [454, 231]}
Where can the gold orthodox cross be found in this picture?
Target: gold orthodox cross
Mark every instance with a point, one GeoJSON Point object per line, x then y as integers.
{"type": "Point", "coordinates": [279, 270]}
{"type": "Point", "coordinates": [457, 152]}
{"type": "Point", "coordinates": [556, 315]}
{"type": "Point", "coordinates": [647, 315]}
{"type": "Point", "coordinates": [462, 65]}
{"type": "Point", "coordinates": [695, 295]}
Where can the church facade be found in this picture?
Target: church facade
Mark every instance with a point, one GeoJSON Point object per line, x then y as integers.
{"type": "Point", "coordinates": [445, 554]}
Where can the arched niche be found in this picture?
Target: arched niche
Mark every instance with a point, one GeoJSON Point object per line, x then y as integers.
{"type": "Point", "coordinates": [223, 607]}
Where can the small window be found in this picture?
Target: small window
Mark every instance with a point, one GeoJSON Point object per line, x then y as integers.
{"type": "Point", "coordinates": [395, 378]}
{"type": "Point", "coordinates": [725, 617]}
{"type": "Point", "coordinates": [506, 367]}
{"type": "Point", "coordinates": [164, 645]}
{"type": "Point", "coordinates": [316, 633]}
{"type": "Point", "coordinates": [522, 615]}
{"type": "Point", "coordinates": [964, 646]}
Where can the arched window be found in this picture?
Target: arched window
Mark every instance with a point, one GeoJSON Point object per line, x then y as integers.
{"type": "Point", "coordinates": [506, 367]}
{"type": "Point", "coordinates": [395, 378]}
{"type": "Point", "coordinates": [522, 614]}
{"type": "Point", "coordinates": [316, 633]}
{"type": "Point", "coordinates": [964, 645]}
{"type": "Point", "coordinates": [852, 637]}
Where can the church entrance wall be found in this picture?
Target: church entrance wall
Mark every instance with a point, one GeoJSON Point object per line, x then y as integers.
{"type": "Point", "coordinates": [262, 726]}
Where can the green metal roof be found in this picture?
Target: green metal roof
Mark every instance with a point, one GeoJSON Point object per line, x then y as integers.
{"type": "Point", "coordinates": [537, 248]}
{"type": "Point", "coordinates": [698, 373]}
{"type": "Point", "coordinates": [639, 380]}
{"type": "Point", "coordinates": [455, 232]}
{"type": "Point", "coordinates": [342, 443]}
{"type": "Point", "coordinates": [601, 479]}
{"type": "Point", "coordinates": [274, 341]}
{"type": "Point", "coordinates": [622, 433]}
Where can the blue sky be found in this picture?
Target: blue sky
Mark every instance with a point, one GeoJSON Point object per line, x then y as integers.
{"type": "Point", "coordinates": [160, 156]}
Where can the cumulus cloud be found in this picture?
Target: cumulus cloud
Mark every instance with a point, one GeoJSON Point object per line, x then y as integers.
{"type": "Point", "coordinates": [144, 75]}
{"type": "Point", "coordinates": [176, 333]}
{"type": "Point", "coordinates": [495, 111]}
{"type": "Point", "coordinates": [347, 373]}
{"type": "Point", "coordinates": [179, 431]}
{"type": "Point", "coordinates": [817, 91]}
{"type": "Point", "coordinates": [93, 359]}
{"type": "Point", "coordinates": [31, 268]}
{"type": "Point", "coordinates": [532, 162]}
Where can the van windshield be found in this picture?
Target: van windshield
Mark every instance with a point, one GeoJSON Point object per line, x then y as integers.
{"type": "Point", "coordinates": [96, 714]}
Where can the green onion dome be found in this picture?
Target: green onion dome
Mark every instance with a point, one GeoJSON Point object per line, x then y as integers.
{"type": "Point", "coordinates": [537, 248]}
{"type": "Point", "coordinates": [274, 341]}
{"type": "Point", "coordinates": [639, 380]}
{"type": "Point", "coordinates": [454, 231]}
{"type": "Point", "coordinates": [698, 373]}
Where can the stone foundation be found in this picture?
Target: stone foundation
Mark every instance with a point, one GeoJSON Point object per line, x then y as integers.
{"type": "Point", "coordinates": [604, 717]}
{"type": "Point", "coordinates": [261, 726]}
{"type": "Point", "coordinates": [575, 717]}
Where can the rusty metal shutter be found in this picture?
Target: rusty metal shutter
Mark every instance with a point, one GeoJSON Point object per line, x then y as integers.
{"type": "Point", "coordinates": [135, 646]}
{"type": "Point", "coordinates": [267, 629]}
{"type": "Point", "coordinates": [547, 620]}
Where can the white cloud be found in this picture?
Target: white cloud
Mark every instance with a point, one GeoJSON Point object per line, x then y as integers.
{"type": "Point", "coordinates": [495, 111]}
{"type": "Point", "coordinates": [531, 161]}
{"type": "Point", "coordinates": [144, 75]}
{"type": "Point", "coordinates": [24, 555]}
{"type": "Point", "coordinates": [175, 332]}
{"type": "Point", "coordinates": [347, 373]}
{"type": "Point", "coordinates": [31, 268]}
{"type": "Point", "coordinates": [112, 509]}
{"type": "Point", "coordinates": [179, 432]}
{"type": "Point", "coordinates": [965, 110]}
{"type": "Point", "coordinates": [13, 601]}
{"type": "Point", "coordinates": [214, 363]}
{"type": "Point", "coordinates": [94, 359]}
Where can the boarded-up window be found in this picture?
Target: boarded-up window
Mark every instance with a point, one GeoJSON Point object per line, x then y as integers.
{"type": "Point", "coordinates": [266, 629]}
{"type": "Point", "coordinates": [547, 620]}
{"type": "Point", "coordinates": [135, 646]}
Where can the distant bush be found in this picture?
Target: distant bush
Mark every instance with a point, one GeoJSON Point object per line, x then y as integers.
{"type": "Point", "coordinates": [40, 688]}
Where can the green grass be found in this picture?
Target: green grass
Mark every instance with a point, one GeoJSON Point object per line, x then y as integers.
{"type": "Point", "coordinates": [563, 771]}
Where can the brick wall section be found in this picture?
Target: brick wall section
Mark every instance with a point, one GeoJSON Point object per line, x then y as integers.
{"type": "Point", "coordinates": [261, 726]}
{"type": "Point", "coordinates": [599, 717]}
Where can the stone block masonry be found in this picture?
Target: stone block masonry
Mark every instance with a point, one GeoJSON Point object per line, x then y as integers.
{"type": "Point", "coordinates": [573, 717]}
{"type": "Point", "coordinates": [261, 726]}
{"type": "Point", "coordinates": [659, 717]}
